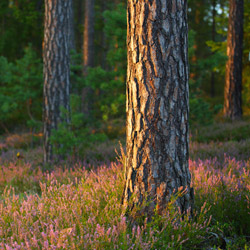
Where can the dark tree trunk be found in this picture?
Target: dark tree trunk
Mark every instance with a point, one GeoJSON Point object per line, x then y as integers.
{"type": "Point", "coordinates": [72, 45]}
{"type": "Point", "coordinates": [88, 40]}
{"type": "Point", "coordinates": [88, 51]}
{"type": "Point", "coordinates": [157, 105]}
{"type": "Point", "coordinates": [56, 70]}
{"type": "Point", "coordinates": [79, 23]}
{"type": "Point", "coordinates": [233, 86]}
{"type": "Point", "coordinates": [212, 91]}
{"type": "Point", "coordinates": [104, 39]}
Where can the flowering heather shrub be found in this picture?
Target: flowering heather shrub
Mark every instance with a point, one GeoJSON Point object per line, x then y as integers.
{"type": "Point", "coordinates": [21, 176]}
{"type": "Point", "coordinates": [32, 156]}
{"type": "Point", "coordinates": [18, 141]}
{"type": "Point", "coordinates": [80, 209]}
{"type": "Point", "coordinates": [85, 213]}
{"type": "Point", "coordinates": [24, 178]}
{"type": "Point", "coordinates": [235, 149]}
{"type": "Point", "coordinates": [226, 131]}
{"type": "Point", "coordinates": [3, 147]}
{"type": "Point", "coordinates": [226, 188]}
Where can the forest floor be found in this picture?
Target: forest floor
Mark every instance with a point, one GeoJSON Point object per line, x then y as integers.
{"type": "Point", "coordinates": [76, 205]}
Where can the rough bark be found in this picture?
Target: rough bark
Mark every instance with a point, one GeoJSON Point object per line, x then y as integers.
{"type": "Point", "coordinates": [88, 51]}
{"type": "Point", "coordinates": [157, 105]}
{"type": "Point", "coordinates": [56, 70]}
{"type": "Point", "coordinates": [233, 85]}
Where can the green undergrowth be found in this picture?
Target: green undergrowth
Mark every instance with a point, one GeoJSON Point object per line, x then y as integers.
{"type": "Point", "coordinates": [226, 131]}
{"type": "Point", "coordinates": [76, 205]}
{"type": "Point", "coordinates": [79, 208]}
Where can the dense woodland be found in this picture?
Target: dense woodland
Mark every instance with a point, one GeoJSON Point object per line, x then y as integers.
{"type": "Point", "coordinates": [94, 154]}
{"type": "Point", "coordinates": [21, 63]}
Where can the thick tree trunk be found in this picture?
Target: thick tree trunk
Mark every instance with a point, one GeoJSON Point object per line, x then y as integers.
{"type": "Point", "coordinates": [88, 51]}
{"type": "Point", "coordinates": [157, 105]}
{"type": "Point", "coordinates": [56, 70]}
{"type": "Point", "coordinates": [233, 86]}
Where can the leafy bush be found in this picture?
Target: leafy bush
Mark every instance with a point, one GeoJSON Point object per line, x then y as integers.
{"type": "Point", "coordinates": [235, 131]}
{"type": "Point", "coordinates": [20, 89]}
{"type": "Point", "coordinates": [70, 140]}
{"type": "Point", "coordinates": [22, 140]}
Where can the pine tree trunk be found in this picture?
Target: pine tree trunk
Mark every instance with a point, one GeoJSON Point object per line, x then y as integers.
{"type": "Point", "coordinates": [88, 51]}
{"type": "Point", "coordinates": [212, 91]}
{"type": "Point", "coordinates": [157, 105]}
{"type": "Point", "coordinates": [72, 45]}
{"type": "Point", "coordinates": [88, 43]}
{"type": "Point", "coordinates": [56, 70]}
{"type": "Point", "coordinates": [79, 24]}
{"type": "Point", "coordinates": [104, 39]}
{"type": "Point", "coordinates": [233, 86]}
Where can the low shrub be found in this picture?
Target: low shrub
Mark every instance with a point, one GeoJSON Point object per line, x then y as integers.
{"type": "Point", "coordinates": [226, 131]}
{"type": "Point", "coordinates": [80, 209]}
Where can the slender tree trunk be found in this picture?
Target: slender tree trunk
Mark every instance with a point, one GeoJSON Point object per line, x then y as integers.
{"type": "Point", "coordinates": [212, 92]}
{"type": "Point", "coordinates": [157, 105]}
{"type": "Point", "coordinates": [233, 86]}
{"type": "Point", "coordinates": [56, 70]}
{"type": "Point", "coordinates": [104, 40]}
{"type": "Point", "coordinates": [79, 24]}
{"type": "Point", "coordinates": [88, 52]}
{"type": "Point", "coordinates": [72, 45]}
{"type": "Point", "coordinates": [88, 43]}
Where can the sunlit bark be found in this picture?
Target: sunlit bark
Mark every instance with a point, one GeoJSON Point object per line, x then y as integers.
{"type": "Point", "coordinates": [88, 52]}
{"type": "Point", "coordinates": [157, 105]}
{"type": "Point", "coordinates": [233, 85]}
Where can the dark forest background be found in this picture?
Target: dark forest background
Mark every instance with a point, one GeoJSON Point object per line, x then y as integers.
{"type": "Point", "coordinates": [21, 71]}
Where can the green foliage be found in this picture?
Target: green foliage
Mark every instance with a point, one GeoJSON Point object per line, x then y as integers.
{"type": "Point", "coordinates": [21, 23]}
{"type": "Point", "coordinates": [116, 30]}
{"type": "Point", "coordinates": [21, 80]}
{"type": "Point", "coordinates": [109, 85]}
{"type": "Point", "coordinates": [108, 89]}
{"type": "Point", "coordinates": [109, 93]}
{"type": "Point", "coordinates": [76, 76]}
{"type": "Point", "coordinates": [21, 89]}
{"type": "Point", "coordinates": [224, 132]}
{"type": "Point", "coordinates": [201, 112]}
{"type": "Point", "coordinates": [70, 140]}
{"type": "Point", "coordinates": [246, 59]}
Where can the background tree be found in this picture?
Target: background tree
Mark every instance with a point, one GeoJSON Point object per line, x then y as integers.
{"type": "Point", "coordinates": [233, 85]}
{"type": "Point", "coordinates": [56, 70]}
{"type": "Point", "coordinates": [214, 4]}
{"type": "Point", "coordinates": [88, 52]}
{"type": "Point", "coordinates": [72, 43]}
{"type": "Point", "coordinates": [208, 22]}
{"type": "Point", "coordinates": [23, 15]}
{"type": "Point", "coordinates": [157, 105]}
